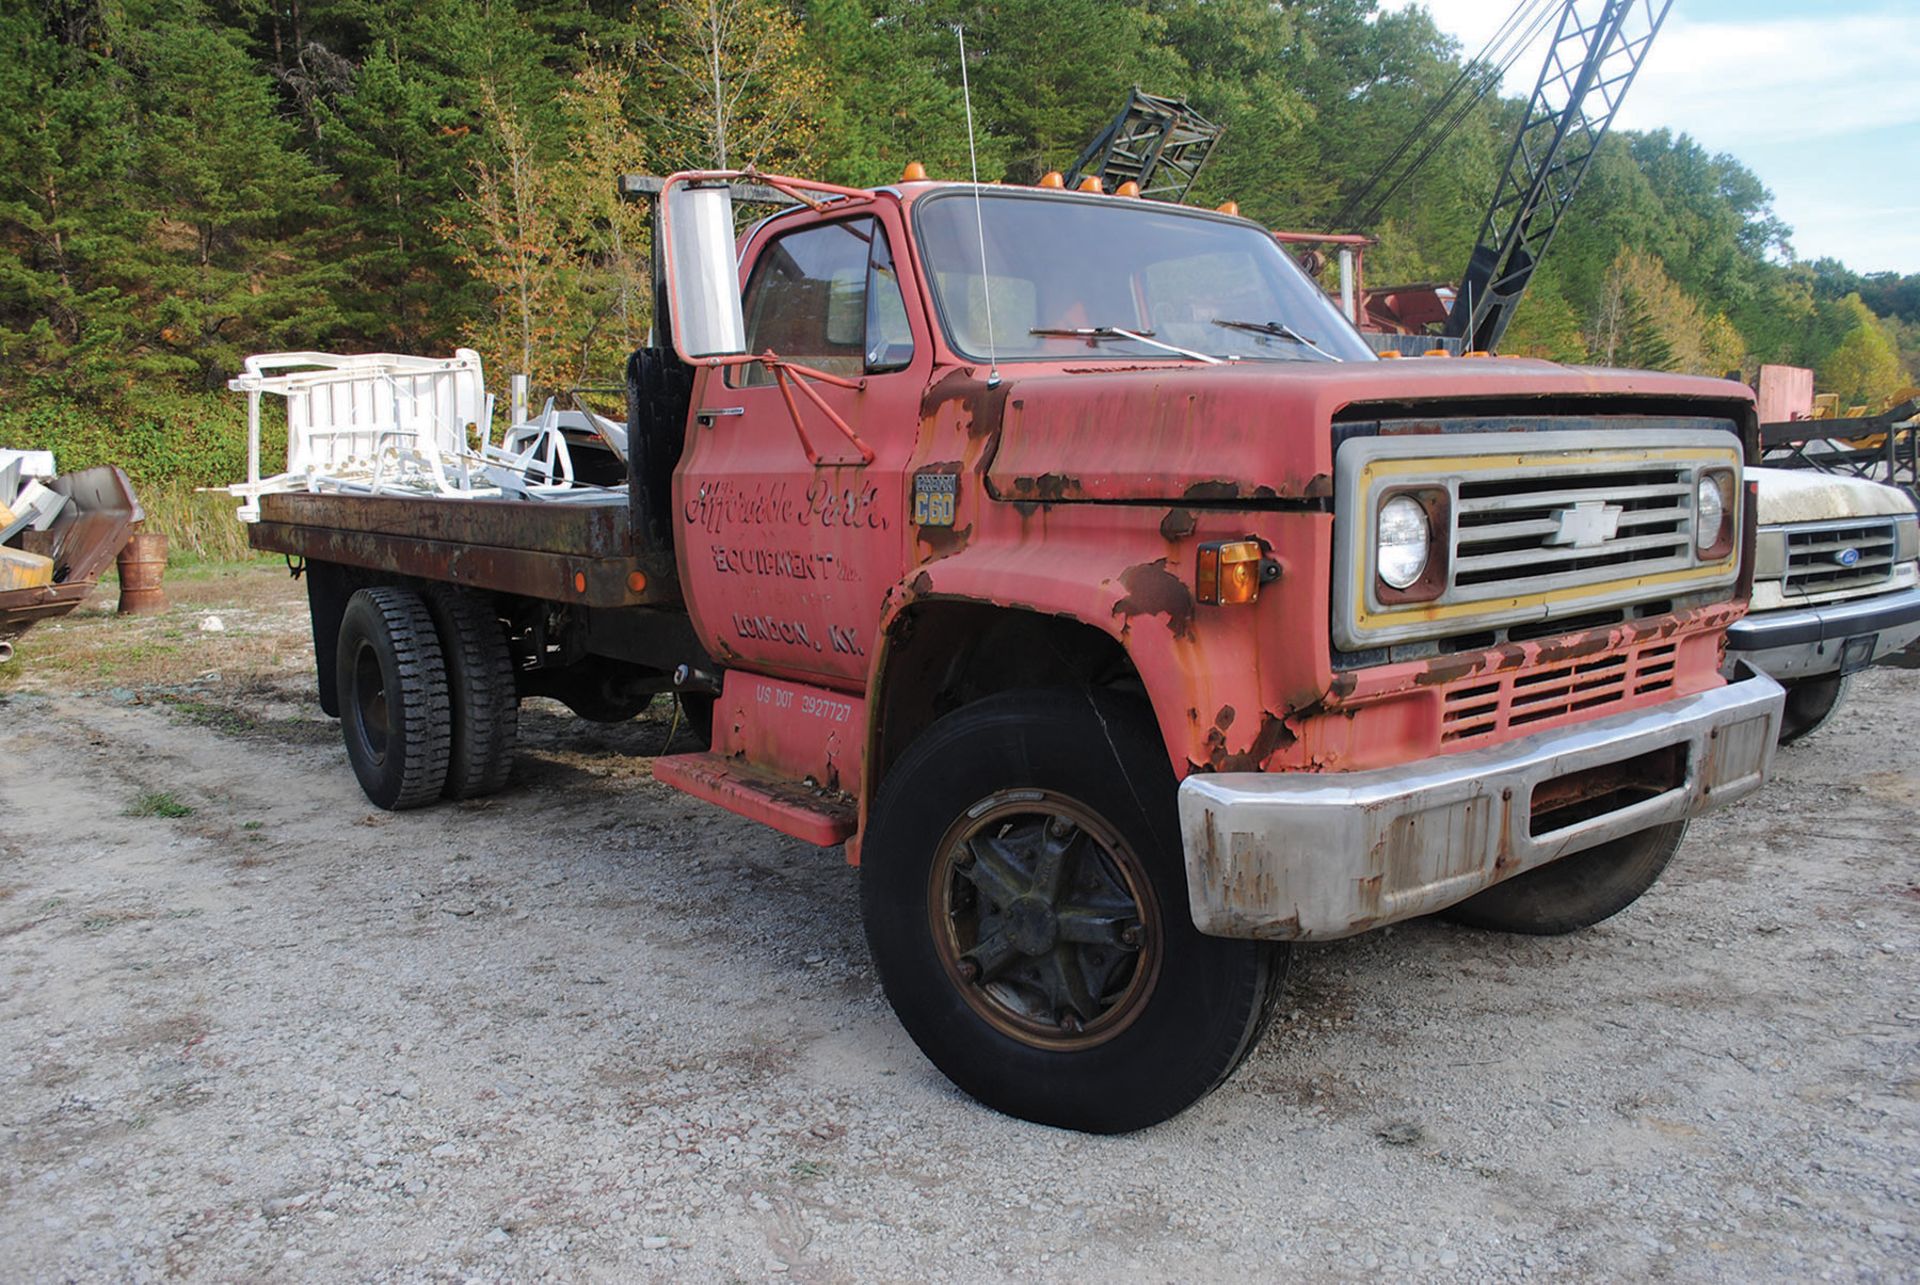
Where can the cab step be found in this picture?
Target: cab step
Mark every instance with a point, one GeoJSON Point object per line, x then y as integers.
{"type": "Point", "coordinates": [787, 806]}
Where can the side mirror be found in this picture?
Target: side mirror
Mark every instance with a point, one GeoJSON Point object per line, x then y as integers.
{"type": "Point", "coordinates": [703, 277]}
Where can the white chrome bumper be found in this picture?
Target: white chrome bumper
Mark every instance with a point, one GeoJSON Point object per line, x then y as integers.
{"type": "Point", "coordinates": [1299, 856]}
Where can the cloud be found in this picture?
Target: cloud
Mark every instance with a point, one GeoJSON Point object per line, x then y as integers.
{"type": "Point", "coordinates": [1822, 108]}
{"type": "Point", "coordinates": [1780, 80]}
{"type": "Point", "coordinates": [1734, 81]}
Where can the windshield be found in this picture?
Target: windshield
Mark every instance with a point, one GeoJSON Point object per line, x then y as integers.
{"type": "Point", "coordinates": [1108, 277]}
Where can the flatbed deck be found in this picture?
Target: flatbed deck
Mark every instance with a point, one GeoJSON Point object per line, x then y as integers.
{"type": "Point", "coordinates": [575, 552]}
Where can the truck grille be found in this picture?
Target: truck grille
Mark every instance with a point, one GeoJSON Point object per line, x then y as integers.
{"type": "Point", "coordinates": [1814, 557]}
{"type": "Point", "coordinates": [1536, 526]}
{"type": "Point", "coordinates": [1538, 696]}
{"type": "Point", "coordinates": [1503, 528]}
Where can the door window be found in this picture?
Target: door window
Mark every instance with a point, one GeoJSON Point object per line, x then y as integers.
{"type": "Point", "coordinates": [827, 297]}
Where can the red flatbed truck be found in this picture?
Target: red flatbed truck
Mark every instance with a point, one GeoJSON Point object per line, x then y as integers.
{"type": "Point", "coordinates": [1071, 561]}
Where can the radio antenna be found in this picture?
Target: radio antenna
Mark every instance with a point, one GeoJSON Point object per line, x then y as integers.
{"type": "Point", "coordinates": [979, 221]}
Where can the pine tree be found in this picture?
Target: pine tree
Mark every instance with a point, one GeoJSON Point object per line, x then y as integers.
{"type": "Point", "coordinates": [235, 263]}
{"type": "Point", "coordinates": [68, 238]}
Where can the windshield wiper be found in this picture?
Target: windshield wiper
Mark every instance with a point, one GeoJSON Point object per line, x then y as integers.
{"type": "Point", "coordinates": [1115, 332]}
{"type": "Point", "coordinates": [1278, 330]}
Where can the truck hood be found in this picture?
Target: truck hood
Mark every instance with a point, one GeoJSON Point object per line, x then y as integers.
{"type": "Point", "coordinates": [1258, 431]}
{"type": "Point", "coordinates": [1797, 495]}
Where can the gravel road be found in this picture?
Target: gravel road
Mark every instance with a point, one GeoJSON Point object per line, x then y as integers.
{"type": "Point", "coordinates": [590, 1028]}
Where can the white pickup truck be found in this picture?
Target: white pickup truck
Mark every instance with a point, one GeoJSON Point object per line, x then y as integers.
{"type": "Point", "coordinates": [1836, 586]}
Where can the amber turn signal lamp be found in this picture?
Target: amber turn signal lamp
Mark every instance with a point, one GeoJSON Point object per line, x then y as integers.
{"type": "Point", "coordinates": [1229, 571]}
{"type": "Point", "coordinates": [1053, 178]}
{"type": "Point", "coordinates": [914, 173]}
{"type": "Point", "coordinates": [1128, 188]}
{"type": "Point", "coordinates": [1091, 183]}
{"type": "Point", "coordinates": [1229, 207]}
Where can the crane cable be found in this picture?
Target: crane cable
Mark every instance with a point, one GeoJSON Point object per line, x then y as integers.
{"type": "Point", "coordinates": [1488, 67]}
{"type": "Point", "coordinates": [1540, 23]}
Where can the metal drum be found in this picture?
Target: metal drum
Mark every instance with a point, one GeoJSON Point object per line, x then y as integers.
{"type": "Point", "coordinates": [143, 561]}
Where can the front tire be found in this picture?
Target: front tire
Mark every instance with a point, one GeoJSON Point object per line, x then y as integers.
{"type": "Point", "coordinates": [1025, 901]}
{"type": "Point", "coordinates": [392, 681]}
{"type": "Point", "coordinates": [1810, 704]}
{"type": "Point", "coordinates": [1576, 891]}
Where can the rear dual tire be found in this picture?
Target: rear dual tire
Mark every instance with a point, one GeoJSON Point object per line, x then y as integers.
{"type": "Point", "coordinates": [428, 707]}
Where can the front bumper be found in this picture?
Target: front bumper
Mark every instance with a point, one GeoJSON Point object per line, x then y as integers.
{"type": "Point", "coordinates": [1309, 856]}
{"type": "Point", "coordinates": [1814, 640]}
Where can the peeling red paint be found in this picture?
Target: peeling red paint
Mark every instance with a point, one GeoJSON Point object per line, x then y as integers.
{"type": "Point", "coordinates": [943, 541]}
{"type": "Point", "coordinates": [1152, 590]}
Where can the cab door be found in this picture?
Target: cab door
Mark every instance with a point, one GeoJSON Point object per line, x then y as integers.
{"type": "Point", "coordinates": [784, 558]}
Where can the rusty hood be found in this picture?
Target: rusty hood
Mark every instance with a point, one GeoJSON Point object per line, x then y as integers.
{"type": "Point", "coordinates": [1261, 431]}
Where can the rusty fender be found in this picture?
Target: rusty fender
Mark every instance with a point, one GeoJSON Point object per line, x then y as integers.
{"type": "Point", "coordinates": [1313, 856]}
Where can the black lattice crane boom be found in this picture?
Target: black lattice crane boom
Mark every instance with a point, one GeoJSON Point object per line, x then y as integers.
{"type": "Point", "coordinates": [1159, 143]}
{"type": "Point", "coordinates": [1589, 67]}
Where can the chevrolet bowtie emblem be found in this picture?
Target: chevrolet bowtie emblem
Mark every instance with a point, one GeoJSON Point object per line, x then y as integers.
{"type": "Point", "coordinates": [1586, 525]}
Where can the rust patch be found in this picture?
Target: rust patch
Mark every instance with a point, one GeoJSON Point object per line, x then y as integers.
{"type": "Point", "coordinates": [1319, 487]}
{"type": "Point", "coordinates": [1274, 735]}
{"type": "Point", "coordinates": [1178, 524]}
{"type": "Point", "coordinates": [1152, 590]}
{"type": "Point", "coordinates": [1228, 490]}
{"type": "Point", "coordinates": [1046, 488]}
{"type": "Point", "coordinates": [1224, 719]}
{"type": "Point", "coordinates": [921, 585]}
{"type": "Point", "coordinates": [943, 541]}
{"type": "Point", "coordinates": [983, 407]}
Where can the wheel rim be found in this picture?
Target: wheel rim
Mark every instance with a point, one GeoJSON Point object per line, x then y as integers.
{"type": "Point", "coordinates": [1045, 920]}
{"type": "Point", "coordinates": [370, 703]}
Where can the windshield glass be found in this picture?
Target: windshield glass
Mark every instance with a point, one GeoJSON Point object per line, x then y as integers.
{"type": "Point", "coordinates": [1100, 277]}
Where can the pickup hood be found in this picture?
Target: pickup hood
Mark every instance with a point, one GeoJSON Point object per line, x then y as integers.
{"type": "Point", "coordinates": [1796, 495]}
{"type": "Point", "coordinates": [1260, 431]}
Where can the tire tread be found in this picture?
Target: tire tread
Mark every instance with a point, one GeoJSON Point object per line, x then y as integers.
{"type": "Point", "coordinates": [483, 700]}
{"type": "Point", "coordinates": [425, 742]}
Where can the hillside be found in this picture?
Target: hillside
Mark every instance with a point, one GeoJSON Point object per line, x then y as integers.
{"type": "Point", "coordinates": [186, 181]}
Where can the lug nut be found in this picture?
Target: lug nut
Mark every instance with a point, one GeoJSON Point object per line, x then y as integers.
{"type": "Point", "coordinates": [969, 971]}
{"type": "Point", "coordinates": [1131, 935]}
{"type": "Point", "coordinates": [1070, 1024]}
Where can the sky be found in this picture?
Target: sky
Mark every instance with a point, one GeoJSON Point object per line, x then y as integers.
{"type": "Point", "coordinates": [1821, 99]}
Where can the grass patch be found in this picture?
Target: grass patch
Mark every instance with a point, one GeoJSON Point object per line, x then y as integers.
{"type": "Point", "coordinates": [200, 527]}
{"type": "Point", "coordinates": [159, 803]}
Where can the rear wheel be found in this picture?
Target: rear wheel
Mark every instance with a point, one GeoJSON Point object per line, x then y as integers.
{"type": "Point", "coordinates": [392, 685]}
{"type": "Point", "coordinates": [1025, 901]}
{"type": "Point", "coordinates": [1576, 891]}
{"type": "Point", "coordinates": [1810, 703]}
{"type": "Point", "coordinates": [484, 703]}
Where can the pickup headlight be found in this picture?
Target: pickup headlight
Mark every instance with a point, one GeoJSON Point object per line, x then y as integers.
{"type": "Point", "coordinates": [1906, 538]}
{"type": "Point", "coordinates": [1770, 554]}
{"type": "Point", "coordinates": [1403, 542]}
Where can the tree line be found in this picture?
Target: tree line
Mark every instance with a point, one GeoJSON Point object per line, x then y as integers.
{"type": "Point", "coordinates": [183, 182]}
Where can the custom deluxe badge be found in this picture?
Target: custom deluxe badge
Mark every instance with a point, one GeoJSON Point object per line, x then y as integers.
{"type": "Point", "coordinates": [934, 496]}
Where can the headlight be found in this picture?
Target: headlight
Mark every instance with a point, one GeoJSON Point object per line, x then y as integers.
{"type": "Point", "coordinates": [1770, 554]}
{"type": "Point", "coordinates": [1906, 538]}
{"type": "Point", "coordinates": [1405, 542]}
{"type": "Point", "coordinates": [1709, 512]}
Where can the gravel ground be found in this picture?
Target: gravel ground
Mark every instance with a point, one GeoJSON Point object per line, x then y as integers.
{"type": "Point", "coordinates": [590, 1028]}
